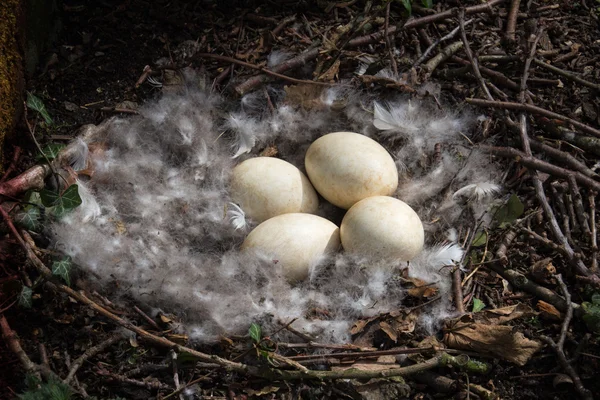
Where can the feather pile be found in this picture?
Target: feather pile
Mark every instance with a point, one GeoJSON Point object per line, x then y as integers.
{"type": "Point", "coordinates": [157, 223]}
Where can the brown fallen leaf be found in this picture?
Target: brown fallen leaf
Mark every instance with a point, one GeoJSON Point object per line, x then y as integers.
{"type": "Point", "coordinates": [498, 340]}
{"type": "Point", "coordinates": [548, 311]}
{"type": "Point", "coordinates": [420, 289]}
{"type": "Point", "coordinates": [503, 315]}
{"type": "Point", "coordinates": [543, 271]}
{"type": "Point", "coordinates": [304, 95]}
{"type": "Point", "coordinates": [382, 363]}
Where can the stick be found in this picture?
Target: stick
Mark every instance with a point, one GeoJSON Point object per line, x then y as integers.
{"type": "Point", "coordinates": [458, 291]}
{"type": "Point", "coordinates": [534, 110]}
{"type": "Point", "coordinates": [594, 239]}
{"type": "Point", "coordinates": [563, 157]}
{"type": "Point", "coordinates": [473, 60]}
{"type": "Point", "coordinates": [569, 75]}
{"type": "Point", "coordinates": [433, 45]}
{"type": "Point", "coordinates": [89, 353]}
{"type": "Point", "coordinates": [511, 24]}
{"type": "Point", "coordinates": [147, 318]}
{"type": "Point", "coordinates": [540, 165]}
{"type": "Point", "coordinates": [558, 347]}
{"type": "Point", "coordinates": [388, 42]}
{"type": "Point", "coordinates": [12, 341]}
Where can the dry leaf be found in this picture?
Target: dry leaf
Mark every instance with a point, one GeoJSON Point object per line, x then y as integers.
{"type": "Point", "coordinates": [264, 391]}
{"type": "Point", "coordinates": [269, 151]}
{"type": "Point", "coordinates": [503, 315]}
{"type": "Point", "coordinates": [382, 363]}
{"type": "Point", "coordinates": [543, 271]}
{"type": "Point", "coordinates": [421, 289]}
{"type": "Point", "coordinates": [305, 95]}
{"type": "Point", "coordinates": [332, 72]}
{"type": "Point", "coordinates": [499, 340]}
{"type": "Point", "coordinates": [548, 311]}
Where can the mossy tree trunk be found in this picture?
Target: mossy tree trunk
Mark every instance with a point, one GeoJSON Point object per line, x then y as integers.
{"type": "Point", "coordinates": [12, 40]}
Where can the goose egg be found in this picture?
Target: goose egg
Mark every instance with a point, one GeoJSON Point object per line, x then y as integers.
{"type": "Point", "coordinates": [297, 241]}
{"type": "Point", "coordinates": [347, 167]}
{"type": "Point", "coordinates": [265, 187]}
{"type": "Point", "coordinates": [384, 227]}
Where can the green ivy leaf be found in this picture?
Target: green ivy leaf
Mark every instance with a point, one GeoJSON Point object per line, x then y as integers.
{"type": "Point", "coordinates": [510, 211]}
{"type": "Point", "coordinates": [35, 103]}
{"type": "Point", "coordinates": [408, 6]}
{"type": "Point", "coordinates": [427, 3]}
{"type": "Point", "coordinates": [478, 305]}
{"type": "Point", "coordinates": [50, 151]}
{"type": "Point", "coordinates": [69, 200]}
{"type": "Point", "coordinates": [48, 197]}
{"type": "Point", "coordinates": [480, 239]}
{"type": "Point", "coordinates": [255, 332]}
{"type": "Point", "coordinates": [61, 204]}
{"type": "Point", "coordinates": [62, 269]}
{"type": "Point", "coordinates": [26, 297]}
{"type": "Point", "coordinates": [33, 197]}
{"type": "Point", "coordinates": [29, 218]}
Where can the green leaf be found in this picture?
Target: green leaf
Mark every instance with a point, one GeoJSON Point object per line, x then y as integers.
{"type": "Point", "coordinates": [255, 332]}
{"type": "Point", "coordinates": [35, 103]}
{"type": "Point", "coordinates": [407, 5]}
{"type": "Point", "coordinates": [50, 151]}
{"type": "Point", "coordinates": [62, 269]}
{"type": "Point", "coordinates": [69, 200]}
{"type": "Point", "coordinates": [478, 305]}
{"type": "Point", "coordinates": [427, 3]}
{"type": "Point", "coordinates": [480, 239]}
{"type": "Point", "coordinates": [33, 197]}
{"type": "Point", "coordinates": [25, 297]}
{"type": "Point", "coordinates": [510, 211]}
{"type": "Point", "coordinates": [48, 197]}
{"type": "Point", "coordinates": [61, 204]}
{"type": "Point", "coordinates": [29, 218]}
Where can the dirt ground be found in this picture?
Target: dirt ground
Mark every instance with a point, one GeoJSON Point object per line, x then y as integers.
{"type": "Point", "coordinates": [98, 69]}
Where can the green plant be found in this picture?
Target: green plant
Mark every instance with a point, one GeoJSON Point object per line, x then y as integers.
{"type": "Point", "coordinates": [264, 346]}
{"type": "Point", "coordinates": [592, 313]}
{"type": "Point", "coordinates": [51, 390]}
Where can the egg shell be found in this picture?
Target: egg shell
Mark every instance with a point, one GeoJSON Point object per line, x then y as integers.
{"type": "Point", "coordinates": [346, 167]}
{"type": "Point", "coordinates": [383, 227]}
{"type": "Point", "coordinates": [265, 187]}
{"type": "Point", "coordinates": [298, 241]}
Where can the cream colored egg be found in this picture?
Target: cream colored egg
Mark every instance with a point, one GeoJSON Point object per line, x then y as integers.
{"type": "Point", "coordinates": [347, 167]}
{"type": "Point", "coordinates": [383, 227]}
{"type": "Point", "coordinates": [265, 187]}
{"type": "Point", "coordinates": [297, 241]}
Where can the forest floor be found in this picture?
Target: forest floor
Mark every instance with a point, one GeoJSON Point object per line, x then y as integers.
{"type": "Point", "coordinates": [532, 67]}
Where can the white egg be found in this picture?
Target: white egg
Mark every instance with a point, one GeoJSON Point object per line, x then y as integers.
{"type": "Point", "coordinates": [347, 167]}
{"type": "Point", "coordinates": [265, 187]}
{"type": "Point", "coordinates": [297, 241]}
{"type": "Point", "coordinates": [382, 227]}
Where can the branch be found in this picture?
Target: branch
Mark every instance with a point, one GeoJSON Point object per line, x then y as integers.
{"type": "Point", "coordinates": [566, 74]}
{"type": "Point", "coordinates": [89, 353]}
{"type": "Point", "coordinates": [506, 105]}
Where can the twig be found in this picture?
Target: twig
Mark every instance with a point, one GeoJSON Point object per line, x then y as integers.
{"type": "Point", "coordinates": [259, 68]}
{"type": "Point", "coordinates": [285, 66]}
{"type": "Point", "coordinates": [458, 291]}
{"type": "Point", "coordinates": [175, 373]}
{"type": "Point", "coordinates": [594, 239]}
{"type": "Point", "coordinates": [442, 56]}
{"type": "Point", "coordinates": [563, 157]}
{"type": "Point", "coordinates": [147, 318]}
{"type": "Point", "coordinates": [388, 42]}
{"type": "Point", "coordinates": [534, 110]}
{"type": "Point", "coordinates": [503, 248]}
{"type": "Point", "coordinates": [148, 384]}
{"type": "Point", "coordinates": [12, 341]}
{"type": "Point", "coordinates": [579, 211]}
{"type": "Point", "coordinates": [558, 347]}
{"type": "Point", "coordinates": [540, 165]}
{"type": "Point", "coordinates": [566, 74]}
{"type": "Point", "coordinates": [147, 368]}
{"type": "Point", "coordinates": [283, 24]}
{"type": "Point", "coordinates": [89, 353]}
{"type": "Point", "coordinates": [473, 60]}
{"type": "Point", "coordinates": [550, 243]}
{"type": "Point", "coordinates": [433, 45]}
{"type": "Point", "coordinates": [13, 163]}
{"type": "Point", "coordinates": [362, 354]}
{"type": "Point", "coordinates": [520, 281]}
{"type": "Point", "coordinates": [495, 76]}
{"type": "Point", "coordinates": [511, 24]}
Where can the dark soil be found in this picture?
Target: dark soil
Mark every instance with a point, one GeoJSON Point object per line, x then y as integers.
{"type": "Point", "coordinates": [101, 53]}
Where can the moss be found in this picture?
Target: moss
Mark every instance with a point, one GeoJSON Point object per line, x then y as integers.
{"type": "Point", "coordinates": [11, 67]}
